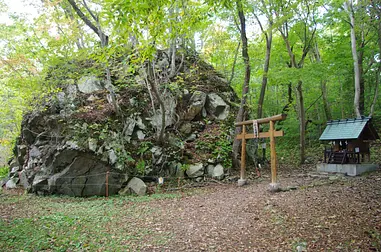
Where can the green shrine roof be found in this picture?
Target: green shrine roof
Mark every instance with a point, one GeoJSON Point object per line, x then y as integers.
{"type": "Point", "coordinates": [349, 129]}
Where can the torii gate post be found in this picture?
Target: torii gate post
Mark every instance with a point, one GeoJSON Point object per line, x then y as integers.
{"type": "Point", "coordinates": [274, 186]}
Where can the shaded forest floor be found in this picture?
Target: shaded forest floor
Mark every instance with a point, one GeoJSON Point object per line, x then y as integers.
{"type": "Point", "coordinates": [323, 213]}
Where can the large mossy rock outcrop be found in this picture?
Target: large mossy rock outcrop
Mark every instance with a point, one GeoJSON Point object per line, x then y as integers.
{"type": "Point", "coordinates": [50, 163]}
{"type": "Point", "coordinates": [75, 138]}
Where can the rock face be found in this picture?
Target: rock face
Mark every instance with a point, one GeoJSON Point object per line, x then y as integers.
{"type": "Point", "coordinates": [217, 107]}
{"type": "Point", "coordinates": [137, 186]}
{"type": "Point", "coordinates": [216, 172]}
{"type": "Point", "coordinates": [195, 170]}
{"type": "Point", "coordinates": [196, 104]}
{"type": "Point", "coordinates": [82, 176]}
{"type": "Point", "coordinates": [12, 183]}
{"type": "Point", "coordinates": [52, 165]}
{"type": "Point", "coordinates": [89, 84]}
{"type": "Point", "coordinates": [79, 137]}
{"type": "Point", "coordinates": [170, 104]}
{"type": "Point", "coordinates": [70, 172]}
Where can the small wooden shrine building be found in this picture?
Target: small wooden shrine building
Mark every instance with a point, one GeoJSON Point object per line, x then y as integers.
{"type": "Point", "coordinates": [349, 146]}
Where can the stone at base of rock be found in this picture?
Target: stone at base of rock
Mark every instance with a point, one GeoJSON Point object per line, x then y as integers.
{"type": "Point", "coordinates": [195, 170]}
{"type": "Point", "coordinates": [199, 179]}
{"type": "Point", "coordinates": [242, 182]}
{"type": "Point", "coordinates": [12, 183]}
{"type": "Point", "coordinates": [125, 191]}
{"type": "Point", "coordinates": [274, 187]}
{"type": "Point", "coordinates": [3, 181]}
{"type": "Point", "coordinates": [137, 186]}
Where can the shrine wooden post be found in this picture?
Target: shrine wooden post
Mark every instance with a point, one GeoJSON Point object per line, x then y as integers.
{"type": "Point", "coordinates": [272, 133]}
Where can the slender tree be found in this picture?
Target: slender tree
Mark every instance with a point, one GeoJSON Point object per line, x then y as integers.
{"type": "Point", "coordinates": [307, 35]}
{"type": "Point", "coordinates": [360, 27]}
{"type": "Point", "coordinates": [245, 89]}
{"type": "Point", "coordinates": [323, 85]}
{"type": "Point", "coordinates": [376, 13]}
{"type": "Point", "coordinates": [267, 11]}
{"type": "Point", "coordinates": [96, 27]}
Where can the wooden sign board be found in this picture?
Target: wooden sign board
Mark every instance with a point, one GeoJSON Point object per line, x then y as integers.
{"type": "Point", "coordinates": [279, 133]}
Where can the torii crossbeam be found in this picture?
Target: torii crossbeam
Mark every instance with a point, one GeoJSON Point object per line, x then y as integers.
{"type": "Point", "coordinates": [272, 133]}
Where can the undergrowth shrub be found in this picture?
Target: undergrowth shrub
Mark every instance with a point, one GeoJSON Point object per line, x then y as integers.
{"type": "Point", "coordinates": [4, 171]}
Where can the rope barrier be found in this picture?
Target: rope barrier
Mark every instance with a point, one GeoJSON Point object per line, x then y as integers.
{"type": "Point", "coordinates": [120, 174]}
{"type": "Point", "coordinates": [107, 185]}
{"type": "Point", "coordinates": [92, 184]}
{"type": "Point", "coordinates": [160, 181]}
{"type": "Point", "coordinates": [90, 175]}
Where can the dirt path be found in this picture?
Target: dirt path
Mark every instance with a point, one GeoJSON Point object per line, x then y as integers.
{"type": "Point", "coordinates": [324, 214]}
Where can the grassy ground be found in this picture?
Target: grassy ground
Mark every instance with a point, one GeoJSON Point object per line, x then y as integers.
{"type": "Point", "coordinates": [34, 223]}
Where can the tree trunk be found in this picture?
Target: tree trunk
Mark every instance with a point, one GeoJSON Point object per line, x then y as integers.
{"type": "Point", "coordinates": [362, 81]}
{"type": "Point", "coordinates": [327, 110]}
{"type": "Point", "coordinates": [172, 72]}
{"type": "Point", "coordinates": [90, 24]}
{"type": "Point", "coordinates": [356, 68]}
{"type": "Point", "coordinates": [109, 88]}
{"type": "Point", "coordinates": [234, 62]}
{"type": "Point", "coordinates": [266, 66]}
{"type": "Point", "coordinates": [307, 43]}
{"type": "Point", "coordinates": [318, 118]}
{"type": "Point", "coordinates": [341, 99]}
{"type": "Point", "coordinates": [104, 43]}
{"type": "Point", "coordinates": [153, 84]}
{"type": "Point", "coordinates": [172, 50]}
{"type": "Point", "coordinates": [378, 72]}
{"type": "Point", "coordinates": [323, 85]}
{"type": "Point", "coordinates": [302, 122]}
{"type": "Point", "coordinates": [245, 88]}
{"type": "Point", "coordinates": [286, 108]}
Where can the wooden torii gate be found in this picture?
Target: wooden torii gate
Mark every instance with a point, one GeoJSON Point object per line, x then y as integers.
{"type": "Point", "coordinates": [272, 133]}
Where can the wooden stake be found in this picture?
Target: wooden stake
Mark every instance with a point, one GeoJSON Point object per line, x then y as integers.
{"type": "Point", "coordinates": [273, 153]}
{"type": "Point", "coordinates": [107, 173]}
{"type": "Point", "coordinates": [243, 154]}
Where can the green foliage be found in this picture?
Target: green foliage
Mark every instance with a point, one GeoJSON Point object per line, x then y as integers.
{"type": "Point", "coordinates": [375, 236]}
{"type": "Point", "coordinates": [141, 167]}
{"type": "Point", "coordinates": [222, 151]}
{"type": "Point", "coordinates": [143, 152]}
{"type": "Point", "coordinates": [4, 171]}
{"type": "Point", "coordinates": [184, 167]}
{"type": "Point", "coordinates": [215, 144]}
{"type": "Point", "coordinates": [65, 223]}
{"type": "Point", "coordinates": [144, 147]}
{"type": "Point", "coordinates": [106, 134]}
{"type": "Point", "coordinates": [65, 71]}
